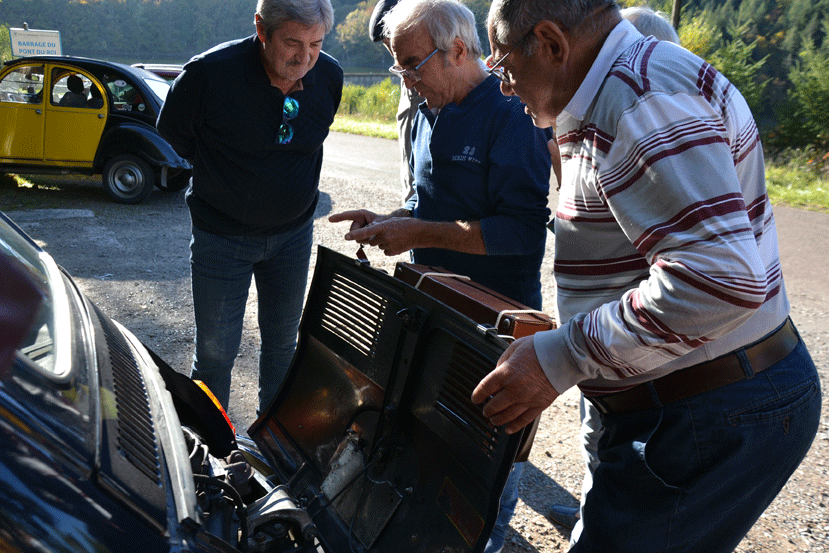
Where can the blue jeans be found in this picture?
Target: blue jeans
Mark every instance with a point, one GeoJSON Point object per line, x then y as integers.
{"type": "Point", "coordinates": [509, 499]}
{"type": "Point", "coordinates": [591, 432]}
{"type": "Point", "coordinates": [221, 269]}
{"type": "Point", "coordinates": [696, 474]}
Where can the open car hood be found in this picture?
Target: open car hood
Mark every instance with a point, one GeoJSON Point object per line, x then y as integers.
{"type": "Point", "coordinates": [373, 430]}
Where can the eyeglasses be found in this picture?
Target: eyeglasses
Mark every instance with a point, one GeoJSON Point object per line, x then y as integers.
{"type": "Point", "coordinates": [412, 74]}
{"type": "Point", "coordinates": [495, 69]}
{"type": "Point", "coordinates": [290, 109]}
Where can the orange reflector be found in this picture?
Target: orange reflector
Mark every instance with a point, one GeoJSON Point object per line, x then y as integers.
{"type": "Point", "coordinates": [216, 402]}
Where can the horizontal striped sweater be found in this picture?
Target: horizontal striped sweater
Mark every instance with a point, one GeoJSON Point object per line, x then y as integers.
{"type": "Point", "coordinates": [666, 249]}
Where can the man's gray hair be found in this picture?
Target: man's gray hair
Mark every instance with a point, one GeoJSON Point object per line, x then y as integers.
{"type": "Point", "coordinates": [649, 22]}
{"type": "Point", "coordinates": [275, 13]}
{"type": "Point", "coordinates": [512, 20]}
{"type": "Point", "coordinates": [444, 20]}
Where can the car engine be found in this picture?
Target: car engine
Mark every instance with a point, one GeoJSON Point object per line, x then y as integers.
{"type": "Point", "coordinates": [238, 501]}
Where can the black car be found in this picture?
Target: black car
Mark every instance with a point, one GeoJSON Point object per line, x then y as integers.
{"type": "Point", "coordinates": [167, 71]}
{"type": "Point", "coordinates": [372, 444]}
{"type": "Point", "coordinates": [62, 114]}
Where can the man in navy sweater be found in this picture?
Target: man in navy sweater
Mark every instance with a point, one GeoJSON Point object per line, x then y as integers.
{"type": "Point", "coordinates": [481, 172]}
{"type": "Point", "coordinates": [252, 115]}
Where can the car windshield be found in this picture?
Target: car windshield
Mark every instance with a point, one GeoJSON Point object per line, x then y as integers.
{"type": "Point", "coordinates": [46, 344]}
{"type": "Point", "coordinates": [159, 86]}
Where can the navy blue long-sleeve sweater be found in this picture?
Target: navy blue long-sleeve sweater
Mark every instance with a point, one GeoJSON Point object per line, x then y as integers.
{"type": "Point", "coordinates": [483, 160]}
{"type": "Point", "coordinates": [224, 116]}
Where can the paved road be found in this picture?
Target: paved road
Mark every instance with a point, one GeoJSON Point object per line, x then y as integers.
{"type": "Point", "coordinates": [361, 172]}
{"type": "Point", "coordinates": [362, 158]}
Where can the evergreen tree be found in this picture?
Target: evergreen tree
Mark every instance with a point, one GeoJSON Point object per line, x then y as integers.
{"type": "Point", "coordinates": [698, 34]}
{"type": "Point", "coordinates": [480, 9]}
{"type": "Point", "coordinates": [807, 119]}
{"type": "Point", "coordinates": [804, 23]}
{"type": "Point", "coordinates": [734, 60]}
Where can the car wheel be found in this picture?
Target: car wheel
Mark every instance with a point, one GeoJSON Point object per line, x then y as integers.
{"type": "Point", "coordinates": [128, 179]}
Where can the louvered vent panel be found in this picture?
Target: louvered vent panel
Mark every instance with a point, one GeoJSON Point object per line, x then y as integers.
{"type": "Point", "coordinates": [354, 313]}
{"type": "Point", "coordinates": [465, 370]}
{"type": "Point", "coordinates": [136, 434]}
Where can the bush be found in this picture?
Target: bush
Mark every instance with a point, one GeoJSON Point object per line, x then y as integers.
{"type": "Point", "coordinates": [810, 159]}
{"type": "Point", "coordinates": [378, 101]}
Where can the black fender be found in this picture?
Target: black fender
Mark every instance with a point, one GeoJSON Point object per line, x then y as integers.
{"type": "Point", "coordinates": [141, 140]}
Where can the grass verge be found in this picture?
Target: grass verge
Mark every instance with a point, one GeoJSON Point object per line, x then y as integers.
{"type": "Point", "coordinates": [799, 182]}
{"type": "Point", "coordinates": [367, 127]}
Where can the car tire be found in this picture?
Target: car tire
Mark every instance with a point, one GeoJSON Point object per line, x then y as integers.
{"type": "Point", "coordinates": [128, 179]}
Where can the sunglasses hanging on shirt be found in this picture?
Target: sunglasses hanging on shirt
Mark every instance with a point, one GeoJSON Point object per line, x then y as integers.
{"type": "Point", "coordinates": [290, 109]}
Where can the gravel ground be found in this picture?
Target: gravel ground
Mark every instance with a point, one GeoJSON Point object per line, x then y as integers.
{"type": "Point", "coordinates": [132, 261]}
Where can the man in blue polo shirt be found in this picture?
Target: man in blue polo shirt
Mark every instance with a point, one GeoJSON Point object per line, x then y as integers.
{"type": "Point", "coordinates": [481, 172]}
{"type": "Point", "coordinates": [252, 115]}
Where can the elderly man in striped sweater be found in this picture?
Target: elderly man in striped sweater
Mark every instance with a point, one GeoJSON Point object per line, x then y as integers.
{"type": "Point", "coordinates": [669, 286]}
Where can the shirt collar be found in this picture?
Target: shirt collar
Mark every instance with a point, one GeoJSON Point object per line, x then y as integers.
{"type": "Point", "coordinates": [620, 38]}
{"type": "Point", "coordinates": [476, 95]}
{"type": "Point", "coordinates": [481, 91]}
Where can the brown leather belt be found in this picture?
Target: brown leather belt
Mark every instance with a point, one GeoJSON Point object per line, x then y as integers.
{"type": "Point", "coordinates": [703, 377]}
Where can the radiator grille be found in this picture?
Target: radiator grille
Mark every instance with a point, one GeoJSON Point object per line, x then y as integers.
{"type": "Point", "coordinates": [465, 370]}
{"type": "Point", "coordinates": [354, 313]}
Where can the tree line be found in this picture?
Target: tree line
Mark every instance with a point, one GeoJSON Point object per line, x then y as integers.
{"type": "Point", "coordinates": [774, 51]}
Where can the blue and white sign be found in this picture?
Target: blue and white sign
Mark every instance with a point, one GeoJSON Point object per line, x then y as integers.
{"type": "Point", "coordinates": [33, 42]}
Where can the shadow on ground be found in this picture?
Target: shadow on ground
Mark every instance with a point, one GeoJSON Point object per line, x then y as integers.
{"type": "Point", "coordinates": [538, 491]}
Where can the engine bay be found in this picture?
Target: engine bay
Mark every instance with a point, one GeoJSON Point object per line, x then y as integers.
{"type": "Point", "coordinates": [372, 444]}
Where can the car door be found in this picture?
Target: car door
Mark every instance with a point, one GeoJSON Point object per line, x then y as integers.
{"type": "Point", "coordinates": [22, 114]}
{"type": "Point", "coordinates": [76, 114]}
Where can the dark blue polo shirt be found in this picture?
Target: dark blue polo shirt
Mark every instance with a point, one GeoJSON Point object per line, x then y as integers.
{"type": "Point", "coordinates": [224, 116]}
{"type": "Point", "coordinates": [483, 160]}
